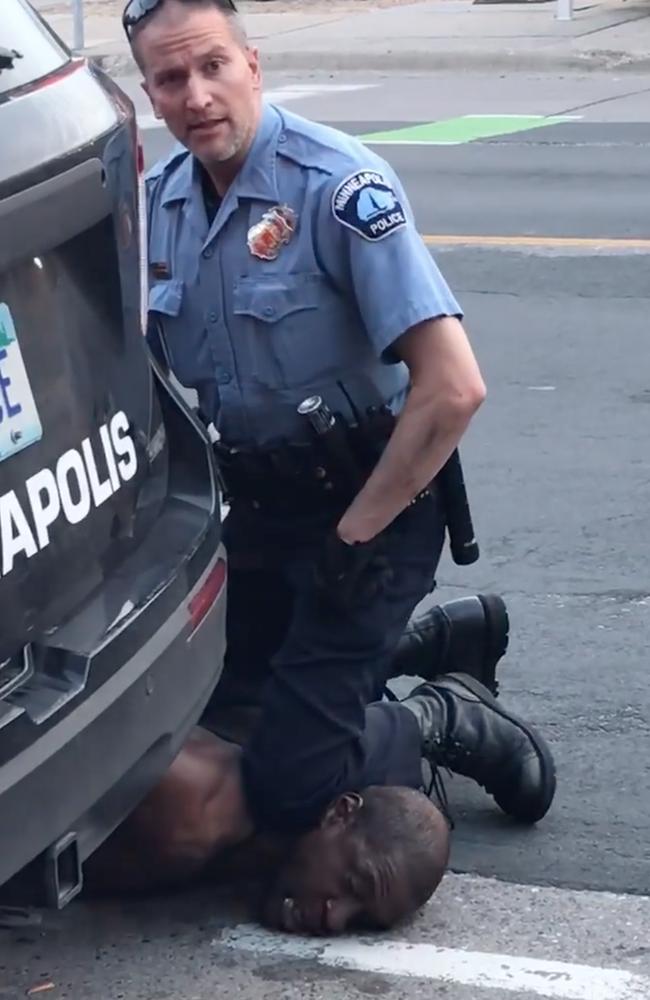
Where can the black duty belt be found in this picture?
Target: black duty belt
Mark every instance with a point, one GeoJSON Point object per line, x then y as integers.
{"type": "Point", "coordinates": [327, 473]}
{"type": "Point", "coordinates": [291, 478]}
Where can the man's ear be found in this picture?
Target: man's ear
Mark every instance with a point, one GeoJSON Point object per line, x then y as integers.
{"type": "Point", "coordinates": [254, 64]}
{"type": "Point", "coordinates": [342, 810]}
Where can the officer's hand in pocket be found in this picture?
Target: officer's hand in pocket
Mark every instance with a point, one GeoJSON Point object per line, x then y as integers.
{"type": "Point", "coordinates": [352, 574]}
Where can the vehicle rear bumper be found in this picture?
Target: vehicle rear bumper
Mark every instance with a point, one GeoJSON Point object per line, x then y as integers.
{"type": "Point", "coordinates": [85, 774]}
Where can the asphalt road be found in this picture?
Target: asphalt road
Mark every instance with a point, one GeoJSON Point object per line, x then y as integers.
{"type": "Point", "coordinates": [582, 179]}
{"type": "Point", "coordinates": [558, 474]}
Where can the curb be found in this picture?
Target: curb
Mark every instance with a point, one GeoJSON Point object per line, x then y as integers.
{"type": "Point", "coordinates": [469, 60]}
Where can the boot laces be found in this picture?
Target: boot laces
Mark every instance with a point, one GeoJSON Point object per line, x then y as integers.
{"type": "Point", "coordinates": [437, 785]}
{"type": "Point", "coordinates": [457, 755]}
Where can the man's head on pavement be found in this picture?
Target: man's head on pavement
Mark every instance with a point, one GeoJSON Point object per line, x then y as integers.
{"type": "Point", "coordinates": [375, 859]}
{"type": "Point", "coordinates": [201, 75]}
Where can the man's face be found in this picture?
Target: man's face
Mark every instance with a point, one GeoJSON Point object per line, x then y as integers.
{"type": "Point", "coordinates": [330, 885]}
{"type": "Point", "coordinates": [201, 80]}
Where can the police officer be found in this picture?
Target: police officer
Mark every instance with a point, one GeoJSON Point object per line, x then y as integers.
{"type": "Point", "coordinates": [285, 264]}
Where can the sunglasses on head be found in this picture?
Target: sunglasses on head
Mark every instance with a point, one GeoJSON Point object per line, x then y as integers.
{"type": "Point", "coordinates": [136, 11]}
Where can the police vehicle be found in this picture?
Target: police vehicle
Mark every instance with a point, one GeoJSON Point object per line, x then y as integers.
{"type": "Point", "coordinates": [112, 570]}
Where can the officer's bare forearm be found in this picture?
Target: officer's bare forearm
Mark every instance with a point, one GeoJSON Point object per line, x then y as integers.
{"type": "Point", "coordinates": [425, 436]}
{"type": "Point", "coordinates": [446, 391]}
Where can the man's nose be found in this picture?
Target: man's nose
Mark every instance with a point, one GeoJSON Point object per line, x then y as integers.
{"type": "Point", "coordinates": [198, 96]}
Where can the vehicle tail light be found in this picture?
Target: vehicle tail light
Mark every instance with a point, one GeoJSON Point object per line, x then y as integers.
{"type": "Point", "coordinates": [54, 77]}
{"type": "Point", "coordinates": [208, 594]}
{"type": "Point", "coordinates": [127, 110]}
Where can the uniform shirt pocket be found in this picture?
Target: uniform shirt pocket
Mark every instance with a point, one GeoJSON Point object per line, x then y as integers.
{"type": "Point", "coordinates": [290, 324]}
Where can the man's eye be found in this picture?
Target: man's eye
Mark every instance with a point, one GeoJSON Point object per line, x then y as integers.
{"type": "Point", "coordinates": [214, 65]}
{"type": "Point", "coordinates": [169, 79]}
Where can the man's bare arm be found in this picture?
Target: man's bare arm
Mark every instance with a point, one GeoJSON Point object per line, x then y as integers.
{"type": "Point", "coordinates": [195, 812]}
{"type": "Point", "coordinates": [446, 391]}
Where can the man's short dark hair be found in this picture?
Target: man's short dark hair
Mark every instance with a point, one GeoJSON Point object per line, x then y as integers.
{"type": "Point", "coordinates": [403, 827]}
{"type": "Point", "coordinates": [225, 7]}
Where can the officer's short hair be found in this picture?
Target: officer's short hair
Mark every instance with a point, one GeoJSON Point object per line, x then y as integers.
{"type": "Point", "coordinates": [225, 7]}
{"type": "Point", "coordinates": [404, 825]}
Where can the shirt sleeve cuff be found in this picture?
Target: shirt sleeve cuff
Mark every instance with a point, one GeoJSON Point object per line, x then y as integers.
{"type": "Point", "coordinates": [399, 322]}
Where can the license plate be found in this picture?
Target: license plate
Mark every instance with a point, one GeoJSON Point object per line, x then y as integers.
{"type": "Point", "coordinates": [20, 424]}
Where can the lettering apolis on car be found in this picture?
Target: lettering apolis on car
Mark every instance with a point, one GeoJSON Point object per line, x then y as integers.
{"type": "Point", "coordinates": [71, 489]}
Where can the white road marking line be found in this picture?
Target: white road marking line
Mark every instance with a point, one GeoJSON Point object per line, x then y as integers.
{"type": "Point", "coordinates": [415, 142]}
{"type": "Point", "coordinates": [551, 980]}
{"type": "Point", "coordinates": [497, 114]}
{"type": "Point", "coordinates": [279, 95]}
{"type": "Point", "coordinates": [298, 92]}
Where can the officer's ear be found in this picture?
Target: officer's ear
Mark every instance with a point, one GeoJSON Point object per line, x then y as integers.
{"type": "Point", "coordinates": [253, 59]}
{"type": "Point", "coordinates": [342, 810]}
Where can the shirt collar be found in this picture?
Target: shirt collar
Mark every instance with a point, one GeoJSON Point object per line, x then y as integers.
{"type": "Point", "coordinates": [258, 175]}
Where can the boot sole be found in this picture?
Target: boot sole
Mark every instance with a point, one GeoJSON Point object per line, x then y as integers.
{"type": "Point", "coordinates": [497, 638]}
{"type": "Point", "coordinates": [544, 755]}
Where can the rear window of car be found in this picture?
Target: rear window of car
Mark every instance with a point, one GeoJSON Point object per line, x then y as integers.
{"type": "Point", "coordinates": [28, 51]}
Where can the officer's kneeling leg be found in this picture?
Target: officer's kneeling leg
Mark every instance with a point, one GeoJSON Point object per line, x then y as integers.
{"type": "Point", "coordinates": [307, 748]}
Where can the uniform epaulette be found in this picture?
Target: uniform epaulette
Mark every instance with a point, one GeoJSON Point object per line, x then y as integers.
{"type": "Point", "coordinates": [322, 148]}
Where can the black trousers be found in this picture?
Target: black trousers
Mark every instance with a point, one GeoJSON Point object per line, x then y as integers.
{"type": "Point", "coordinates": [321, 672]}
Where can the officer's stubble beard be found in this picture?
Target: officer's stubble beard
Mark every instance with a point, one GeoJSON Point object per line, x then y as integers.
{"type": "Point", "coordinates": [223, 164]}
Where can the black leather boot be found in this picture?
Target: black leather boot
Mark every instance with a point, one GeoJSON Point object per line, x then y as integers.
{"type": "Point", "coordinates": [468, 731]}
{"type": "Point", "coordinates": [468, 635]}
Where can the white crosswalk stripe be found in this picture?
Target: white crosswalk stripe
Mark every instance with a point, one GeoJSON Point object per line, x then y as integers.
{"type": "Point", "coordinates": [477, 939]}
{"type": "Point", "coordinates": [513, 974]}
{"type": "Point", "coordinates": [279, 95]}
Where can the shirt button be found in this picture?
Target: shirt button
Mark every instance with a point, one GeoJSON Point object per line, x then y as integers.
{"type": "Point", "coordinates": [213, 317]}
{"type": "Point", "coordinates": [223, 378]}
{"type": "Point", "coordinates": [269, 311]}
{"type": "Point", "coordinates": [207, 253]}
{"type": "Point", "coordinates": [282, 137]}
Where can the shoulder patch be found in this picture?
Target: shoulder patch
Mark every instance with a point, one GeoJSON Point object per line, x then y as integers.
{"type": "Point", "coordinates": [366, 203]}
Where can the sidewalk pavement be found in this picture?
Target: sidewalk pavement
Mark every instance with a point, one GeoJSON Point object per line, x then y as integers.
{"type": "Point", "coordinates": [398, 35]}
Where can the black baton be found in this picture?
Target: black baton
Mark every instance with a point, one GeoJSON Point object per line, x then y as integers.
{"type": "Point", "coordinates": [462, 540]}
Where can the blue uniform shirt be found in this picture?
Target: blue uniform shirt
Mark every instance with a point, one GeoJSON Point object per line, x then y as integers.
{"type": "Point", "coordinates": [256, 336]}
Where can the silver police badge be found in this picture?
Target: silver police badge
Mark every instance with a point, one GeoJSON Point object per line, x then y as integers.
{"type": "Point", "coordinates": [275, 230]}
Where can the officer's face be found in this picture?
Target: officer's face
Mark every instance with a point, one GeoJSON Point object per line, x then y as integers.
{"type": "Point", "coordinates": [331, 884]}
{"type": "Point", "coordinates": [202, 80]}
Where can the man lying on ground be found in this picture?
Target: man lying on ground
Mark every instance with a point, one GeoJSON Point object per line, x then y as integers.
{"type": "Point", "coordinates": [375, 857]}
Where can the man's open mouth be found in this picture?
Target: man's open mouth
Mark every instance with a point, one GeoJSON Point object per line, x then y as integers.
{"type": "Point", "coordinates": [208, 126]}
